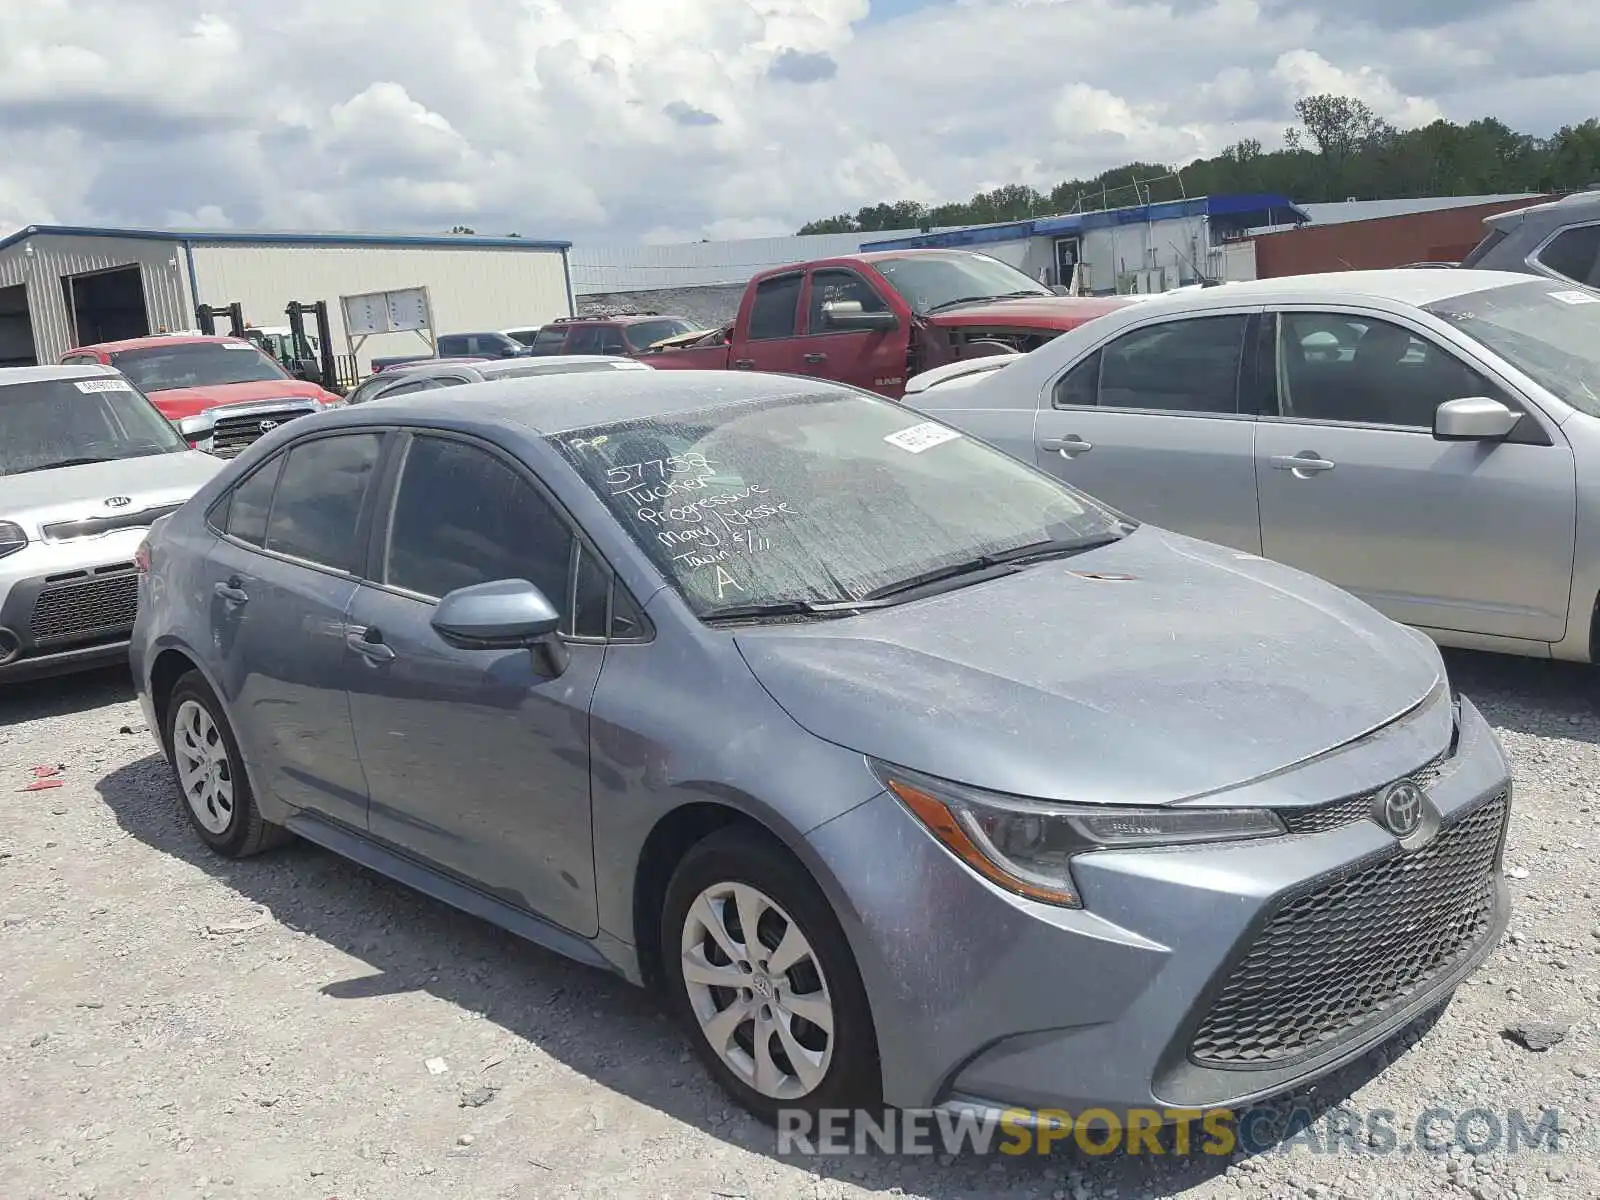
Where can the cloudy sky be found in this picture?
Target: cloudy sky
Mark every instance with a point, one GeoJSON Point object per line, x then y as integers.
{"type": "Point", "coordinates": [662, 120]}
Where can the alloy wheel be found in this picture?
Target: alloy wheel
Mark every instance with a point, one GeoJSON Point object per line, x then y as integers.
{"type": "Point", "coordinates": [205, 773]}
{"type": "Point", "coordinates": [757, 989]}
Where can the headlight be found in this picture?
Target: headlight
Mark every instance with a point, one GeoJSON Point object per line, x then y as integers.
{"type": "Point", "coordinates": [12, 538]}
{"type": "Point", "coordinates": [195, 427]}
{"type": "Point", "coordinates": [1027, 846]}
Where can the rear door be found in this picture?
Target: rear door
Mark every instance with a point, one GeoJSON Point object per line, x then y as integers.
{"type": "Point", "coordinates": [281, 577]}
{"type": "Point", "coordinates": [871, 359]}
{"type": "Point", "coordinates": [1160, 423]}
{"type": "Point", "coordinates": [1475, 537]}
{"type": "Point", "coordinates": [767, 334]}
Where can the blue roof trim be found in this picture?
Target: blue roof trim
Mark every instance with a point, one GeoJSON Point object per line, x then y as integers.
{"type": "Point", "coordinates": [1271, 208]}
{"type": "Point", "coordinates": [212, 237]}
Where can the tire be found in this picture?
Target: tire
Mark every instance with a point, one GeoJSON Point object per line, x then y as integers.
{"type": "Point", "coordinates": [739, 870]}
{"type": "Point", "coordinates": [203, 753]}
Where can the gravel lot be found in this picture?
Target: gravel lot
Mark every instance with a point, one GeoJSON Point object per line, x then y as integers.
{"type": "Point", "coordinates": [175, 1025]}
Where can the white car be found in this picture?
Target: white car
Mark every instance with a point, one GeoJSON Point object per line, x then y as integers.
{"type": "Point", "coordinates": [87, 465]}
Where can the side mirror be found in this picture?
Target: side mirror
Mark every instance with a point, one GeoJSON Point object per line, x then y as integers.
{"type": "Point", "coordinates": [1473, 419]}
{"type": "Point", "coordinates": [848, 315]}
{"type": "Point", "coordinates": [506, 614]}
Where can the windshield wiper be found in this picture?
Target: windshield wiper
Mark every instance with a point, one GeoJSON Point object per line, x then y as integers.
{"type": "Point", "coordinates": [959, 300]}
{"type": "Point", "coordinates": [993, 565]}
{"type": "Point", "coordinates": [784, 608]}
{"type": "Point", "coordinates": [63, 462]}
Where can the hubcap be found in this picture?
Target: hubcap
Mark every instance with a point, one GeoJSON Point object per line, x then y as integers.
{"type": "Point", "coordinates": [204, 772]}
{"type": "Point", "coordinates": [758, 991]}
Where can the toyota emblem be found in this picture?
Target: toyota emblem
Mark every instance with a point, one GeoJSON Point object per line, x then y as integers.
{"type": "Point", "coordinates": [1399, 808]}
{"type": "Point", "coordinates": [268, 426]}
{"type": "Point", "coordinates": [118, 501]}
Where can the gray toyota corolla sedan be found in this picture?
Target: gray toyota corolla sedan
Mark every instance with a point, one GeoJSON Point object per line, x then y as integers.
{"type": "Point", "coordinates": [903, 769]}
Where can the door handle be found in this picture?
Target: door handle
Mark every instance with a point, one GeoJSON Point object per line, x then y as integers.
{"type": "Point", "coordinates": [744, 364]}
{"type": "Point", "coordinates": [369, 644]}
{"type": "Point", "coordinates": [814, 358]}
{"type": "Point", "coordinates": [1304, 463]}
{"type": "Point", "coordinates": [1068, 447]}
{"type": "Point", "coordinates": [231, 592]}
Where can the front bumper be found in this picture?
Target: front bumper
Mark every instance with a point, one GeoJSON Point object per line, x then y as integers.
{"type": "Point", "coordinates": [67, 606]}
{"type": "Point", "coordinates": [1205, 977]}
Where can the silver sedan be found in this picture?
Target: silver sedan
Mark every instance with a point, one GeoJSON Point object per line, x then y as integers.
{"type": "Point", "coordinates": [429, 373]}
{"type": "Point", "coordinates": [1427, 439]}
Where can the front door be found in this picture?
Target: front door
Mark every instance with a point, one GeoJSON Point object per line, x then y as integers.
{"type": "Point", "coordinates": [1474, 537]}
{"type": "Point", "coordinates": [874, 359]}
{"type": "Point", "coordinates": [1151, 423]}
{"type": "Point", "coordinates": [281, 578]}
{"type": "Point", "coordinates": [477, 760]}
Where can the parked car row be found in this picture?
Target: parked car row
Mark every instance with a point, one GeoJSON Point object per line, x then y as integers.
{"type": "Point", "coordinates": [998, 746]}
{"type": "Point", "coordinates": [904, 771]}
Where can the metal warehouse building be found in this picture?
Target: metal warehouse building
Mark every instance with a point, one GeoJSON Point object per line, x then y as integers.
{"type": "Point", "coordinates": [62, 286]}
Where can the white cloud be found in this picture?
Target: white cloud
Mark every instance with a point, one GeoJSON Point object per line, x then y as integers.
{"type": "Point", "coordinates": [613, 119]}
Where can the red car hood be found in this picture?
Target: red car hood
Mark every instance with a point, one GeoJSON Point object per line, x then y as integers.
{"type": "Point", "coordinates": [1031, 312]}
{"type": "Point", "coordinates": [177, 403]}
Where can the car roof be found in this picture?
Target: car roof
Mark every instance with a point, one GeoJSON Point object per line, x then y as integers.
{"type": "Point", "coordinates": [549, 404]}
{"type": "Point", "coordinates": [11, 375]}
{"type": "Point", "coordinates": [161, 339]}
{"type": "Point", "coordinates": [1416, 286]}
{"type": "Point", "coordinates": [551, 364]}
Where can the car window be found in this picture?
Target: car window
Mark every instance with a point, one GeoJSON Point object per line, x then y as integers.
{"type": "Point", "coordinates": [251, 501]}
{"type": "Point", "coordinates": [1080, 387]}
{"type": "Point", "coordinates": [642, 335]}
{"type": "Point", "coordinates": [451, 345]}
{"type": "Point", "coordinates": [317, 505]}
{"type": "Point", "coordinates": [550, 340]}
{"type": "Point", "coordinates": [772, 315]}
{"type": "Point", "coordinates": [420, 384]}
{"type": "Point", "coordinates": [1177, 366]}
{"type": "Point", "coordinates": [611, 341]}
{"type": "Point", "coordinates": [822, 496]}
{"type": "Point", "coordinates": [462, 516]}
{"type": "Point", "coordinates": [584, 340]}
{"type": "Point", "coordinates": [1574, 254]}
{"type": "Point", "coordinates": [1347, 368]}
{"type": "Point", "coordinates": [830, 286]}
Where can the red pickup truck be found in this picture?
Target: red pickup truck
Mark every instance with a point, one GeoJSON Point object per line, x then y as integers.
{"type": "Point", "coordinates": [876, 319]}
{"type": "Point", "coordinates": [221, 392]}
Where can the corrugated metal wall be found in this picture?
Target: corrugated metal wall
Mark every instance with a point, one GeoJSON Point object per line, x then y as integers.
{"type": "Point", "coordinates": [161, 266]}
{"type": "Point", "coordinates": [704, 264]}
{"type": "Point", "coordinates": [470, 290]}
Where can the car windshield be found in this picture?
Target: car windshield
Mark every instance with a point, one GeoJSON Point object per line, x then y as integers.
{"type": "Point", "coordinates": [930, 282]}
{"type": "Point", "coordinates": [820, 498]}
{"type": "Point", "coordinates": [195, 364]}
{"type": "Point", "coordinates": [68, 422]}
{"type": "Point", "coordinates": [1548, 332]}
{"type": "Point", "coordinates": [642, 335]}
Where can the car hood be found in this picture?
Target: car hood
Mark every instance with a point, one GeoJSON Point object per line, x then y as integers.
{"type": "Point", "coordinates": [177, 403]}
{"type": "Point", "coordinates": [1202, 670]}
{"type": "Point", "coordinates": [81, 493]}
{"type": "Point", "coordinates": [1031, 312]}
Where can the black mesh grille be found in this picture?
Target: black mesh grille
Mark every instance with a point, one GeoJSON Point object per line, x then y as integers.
{"type": "Point", "coordinates": [230, 435]}
{"type": "Point", "coordinates": [1345, 954]}
{"type": "Point", "coordinates": [1352, 808]}
{"type": "Point", "coordinates": [88, 607]}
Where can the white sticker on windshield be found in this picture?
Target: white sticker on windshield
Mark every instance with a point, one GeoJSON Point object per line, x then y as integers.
{"type": "Point", "coordinates": [922, 437]}
{"type": "Point", "coordinates": [104, 385]}
{"type": "Point", "coordinates": [1575, 297]}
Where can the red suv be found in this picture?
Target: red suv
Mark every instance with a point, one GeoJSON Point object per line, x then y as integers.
{"type": "Point", "coordinates": [221, 392]}
{"type": "Point", "coordinates": [627, 337]}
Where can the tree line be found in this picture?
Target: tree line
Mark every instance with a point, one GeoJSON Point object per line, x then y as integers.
{"type": "Point", "coordinates": [1338, 149]}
